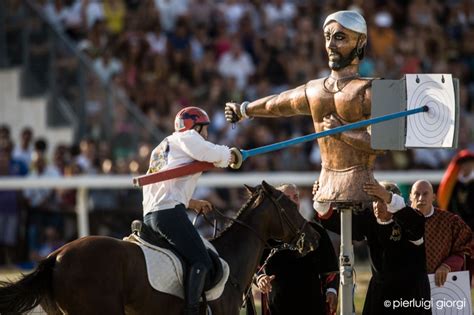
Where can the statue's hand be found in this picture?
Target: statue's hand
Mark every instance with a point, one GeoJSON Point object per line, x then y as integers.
{"type": "Point", "coordinates": [331, 122]}
{"type": "Point", "coordinates": [232, 112]}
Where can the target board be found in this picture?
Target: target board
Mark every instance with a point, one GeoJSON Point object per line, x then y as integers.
{"type": "Point", "coordinates": [454, 297]}
{"type": "Point", "coordinates": [436, 128]}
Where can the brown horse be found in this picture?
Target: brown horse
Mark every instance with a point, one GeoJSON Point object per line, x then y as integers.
{"type": "Point", "coordinates": [102, 275]}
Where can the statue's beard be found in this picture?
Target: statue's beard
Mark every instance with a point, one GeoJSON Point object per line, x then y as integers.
{"type": "Point", "coordinates": [344, 61]}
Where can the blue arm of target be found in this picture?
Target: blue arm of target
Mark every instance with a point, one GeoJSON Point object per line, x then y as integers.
{"type": "Point", "coordinates": [316, 135]}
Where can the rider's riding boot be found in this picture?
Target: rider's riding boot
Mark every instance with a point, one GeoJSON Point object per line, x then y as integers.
{"type": "Point", "coordinates": [193, 288]}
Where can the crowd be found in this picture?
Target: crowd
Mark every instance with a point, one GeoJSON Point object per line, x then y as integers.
{"type": "Point", "coordinates": [48, 215]}
{"type": "Point", "coordinates": [165, 55]}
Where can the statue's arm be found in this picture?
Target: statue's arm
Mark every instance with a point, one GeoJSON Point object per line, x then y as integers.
{"type": "Point", "coordinates": [359, 139]}
{"type": "Point", "coordinates": [288, 103]}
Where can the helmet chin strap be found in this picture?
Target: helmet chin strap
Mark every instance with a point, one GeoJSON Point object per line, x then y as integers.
{"type": "Point", "coordinates": [198, 128]}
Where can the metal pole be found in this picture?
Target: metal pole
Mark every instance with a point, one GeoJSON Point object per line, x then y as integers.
{"type": "Point", "coordinates": [82, 211]}
{"type": "Point", "coordinates": [346, 262]}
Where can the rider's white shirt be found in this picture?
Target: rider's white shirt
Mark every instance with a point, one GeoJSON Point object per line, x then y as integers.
{"type": "Point", "coordinates": [177, 149]}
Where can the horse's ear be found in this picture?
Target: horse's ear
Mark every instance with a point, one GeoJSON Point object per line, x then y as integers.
{"type": "Point", "coordinates": [250, 189]}
{"type": "Point", "coordinates": [267, 186]}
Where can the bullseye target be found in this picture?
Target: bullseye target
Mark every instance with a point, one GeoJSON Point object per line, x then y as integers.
{"type": "Point", "coordinates": [434, 128]}
{"type": "Point", "coordinates": [453, 297]}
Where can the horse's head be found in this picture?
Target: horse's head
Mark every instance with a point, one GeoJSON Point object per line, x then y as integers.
{"type": "Point", "coordinates": [285, 221]}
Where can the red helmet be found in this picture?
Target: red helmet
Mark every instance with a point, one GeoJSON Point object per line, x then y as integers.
{"type": "Point", "coordinates": [189, 117]}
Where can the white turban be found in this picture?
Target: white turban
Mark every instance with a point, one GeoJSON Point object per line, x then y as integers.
{"type": "Point", "coordinates": [351, 20]}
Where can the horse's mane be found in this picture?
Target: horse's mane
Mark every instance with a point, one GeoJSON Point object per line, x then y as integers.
{"type": "Point", "coordinates": [250, 201]}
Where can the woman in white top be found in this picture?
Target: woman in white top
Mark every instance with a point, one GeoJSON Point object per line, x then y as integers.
{"type": "Point", "coordinates": [165, 203]}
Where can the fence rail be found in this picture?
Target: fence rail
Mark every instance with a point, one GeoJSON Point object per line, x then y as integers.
{"type": "Point", "coordinates": [84, 183]}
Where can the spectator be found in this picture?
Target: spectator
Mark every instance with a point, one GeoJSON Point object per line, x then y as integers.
{"type": "Point", "coordinates": [232, 11]}
{"type": "Point", "coordinates": [50, 241]}
{"type": "Point", "coordinates": [86, 159]}
{"type": "Point", "coordinates": [107, 66]}
{"type": "Point", "coordinates": [114, 15]}
{"type": "Point", "coordinates": [9, 210]}
{"type": "Point", "coordinates": [456, 191]}
{"type": "Point", "coordinates": [24, 150]}
{"type": "Point", "coordinates": [40, 146]}
{"type": "Point", "coordinates": [236, 64]}
{"type": "Point", "coordinates": [169, 11]}
{"type": "Point", "coordinates": [279, 11]}
{"type": "Point", "coordinates": [40, 198]}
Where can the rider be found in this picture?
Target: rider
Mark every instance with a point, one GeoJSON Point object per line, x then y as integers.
{"type": "Point", "coordinates": [165, 203]}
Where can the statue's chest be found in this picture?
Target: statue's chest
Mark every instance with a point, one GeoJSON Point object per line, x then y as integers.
{"type": "Point", "coordinates": [349, 106]}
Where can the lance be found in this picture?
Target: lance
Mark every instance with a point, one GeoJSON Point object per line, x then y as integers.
{"type": "Point", "coordinates": [195, 167]}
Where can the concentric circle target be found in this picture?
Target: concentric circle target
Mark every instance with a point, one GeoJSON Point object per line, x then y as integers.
{"type": "Point", "coordinates": [430, 128]}
{"type": "Point", "coordinates": [449, 299]}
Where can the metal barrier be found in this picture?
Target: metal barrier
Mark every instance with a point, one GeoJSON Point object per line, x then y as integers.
{"type": "Point", "coordinates": [84, 183]}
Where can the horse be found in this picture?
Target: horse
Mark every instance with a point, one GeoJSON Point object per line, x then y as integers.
{"type": "Point", "coordinates": [103, 275]}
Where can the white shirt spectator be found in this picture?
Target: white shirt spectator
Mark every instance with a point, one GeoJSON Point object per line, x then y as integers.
{"type": "Point", "coordinates": [23, 155]}
{"type": "Point", "coordinates": [73, 16]}
{"type": "Point", "coordinates": [106, 68]}
{"type": "Point", "coordinates": [170, 10]}
{"type": "Point", "coordinates": [94, 12]}
{"type": "Point", "coordinates": [279, 11]}
{"type": "Point", "coordinates": [37, 196]}
{"type": "Point", "coordinates": [157, 43]}
{"type": "Point", "coordinates": [55, 15]}
{"type": "Point", "coordinates": [233, 11]}
{"type": "Point", "coordinates": [237, 64]}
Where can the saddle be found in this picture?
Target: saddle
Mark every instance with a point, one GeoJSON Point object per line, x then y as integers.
{"type": "Point", "coordinates": [166, 267]}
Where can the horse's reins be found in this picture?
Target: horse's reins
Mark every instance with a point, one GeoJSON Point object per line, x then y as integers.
{"type": "Point", "coordinates": [296, 244]}
{"type": "Point", "coordinates": [298, 241]}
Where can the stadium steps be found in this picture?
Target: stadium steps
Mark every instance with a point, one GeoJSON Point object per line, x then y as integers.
{"type": "Point", "coordinates": [18, 112]}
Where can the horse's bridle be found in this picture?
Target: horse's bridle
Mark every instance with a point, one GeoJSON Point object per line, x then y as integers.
{"type": "Point", "coordinates": [297, 243]}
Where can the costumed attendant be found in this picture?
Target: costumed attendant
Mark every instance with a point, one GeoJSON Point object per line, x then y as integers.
{"type": "Point", "coordinates": [456, 193]}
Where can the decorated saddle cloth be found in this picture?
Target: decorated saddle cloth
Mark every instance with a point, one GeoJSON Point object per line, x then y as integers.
{"type": "Point", "coordinates": [166, 273]}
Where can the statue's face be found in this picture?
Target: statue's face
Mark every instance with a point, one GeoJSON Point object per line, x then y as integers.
{"type": "Point", "coordinates": [341, 45]}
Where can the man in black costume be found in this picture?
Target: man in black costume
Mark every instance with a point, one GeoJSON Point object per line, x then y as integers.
{"type": "Point", "coordinates": [394, 234]}
{"type": "Point", "coordinates": [301, 285]}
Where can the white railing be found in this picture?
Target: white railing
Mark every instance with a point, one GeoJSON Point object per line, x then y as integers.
{"type": "Point", "coordinates": [84, 183]}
